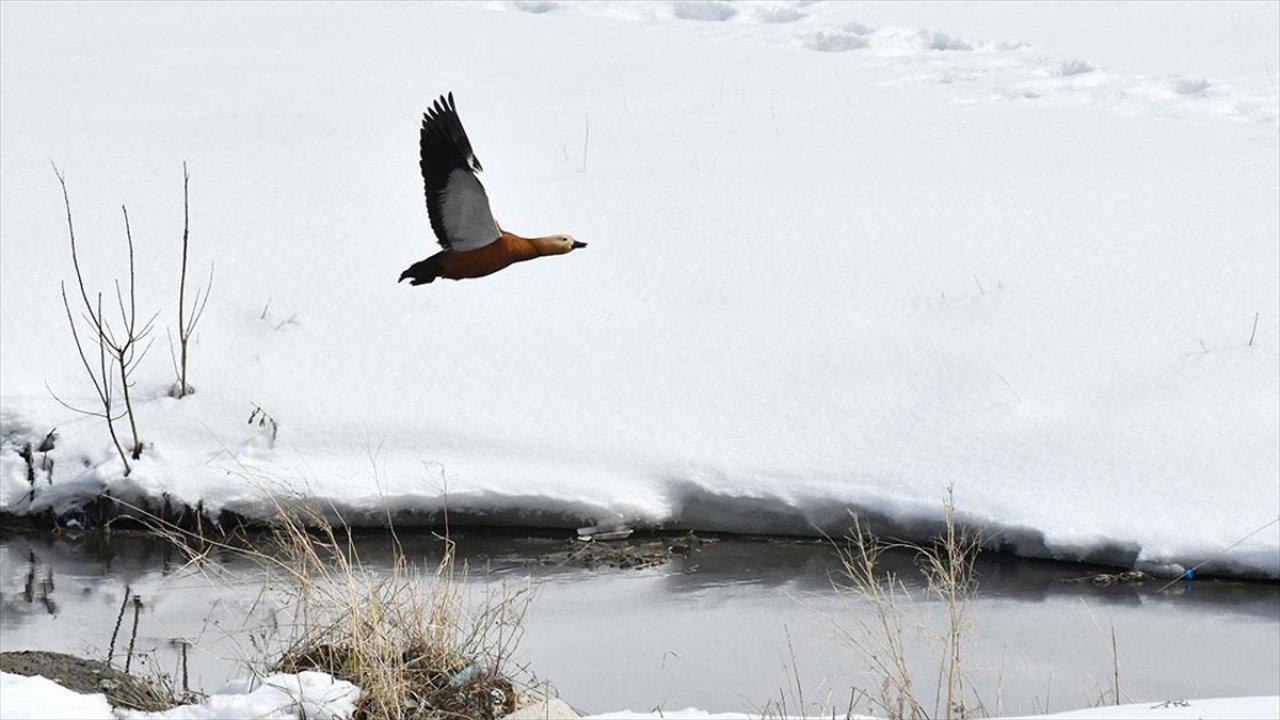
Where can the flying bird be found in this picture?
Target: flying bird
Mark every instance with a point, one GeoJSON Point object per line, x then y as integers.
{"type": "Point", "coordinates": [474, 245]}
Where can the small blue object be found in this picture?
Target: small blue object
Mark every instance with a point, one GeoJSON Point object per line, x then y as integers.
{"type": "Point", "coordinates": [1190, 574]}
{"type": "Point", "coordinates": [463, 676]}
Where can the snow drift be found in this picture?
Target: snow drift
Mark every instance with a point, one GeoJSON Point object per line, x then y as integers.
{"type": "Point", "coordinates": [318, 695]}
{"type": "Point", "coordinates": [840, 257]}
{"type": "Point", "coordinates": [281, 696]}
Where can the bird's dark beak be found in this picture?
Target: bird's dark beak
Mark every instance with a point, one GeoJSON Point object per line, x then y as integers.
{"type": "Point", "coordinates": [577, 245]}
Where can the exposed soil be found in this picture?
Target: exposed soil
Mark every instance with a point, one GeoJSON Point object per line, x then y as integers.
{"type": "Point", "coordinates": [88, 676]}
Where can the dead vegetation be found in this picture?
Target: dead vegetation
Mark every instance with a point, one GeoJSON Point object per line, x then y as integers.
{"type": "Point", "coordinates": [1126, 577]}
{"type": "Point", "coordinates": [884, 612]}
{"type": "Point", "coordinates": [624, 551]}
{"type": "Point", "coordinates": [405, 635]}
{"type": "Point", "coordinates": [187, 319]}
{"type": "Point", "coordinates": [121, 347]}
{"type": "Point", "coordinates": [45, 465]}
{"type": "Point", "coordinates": [122, 344]}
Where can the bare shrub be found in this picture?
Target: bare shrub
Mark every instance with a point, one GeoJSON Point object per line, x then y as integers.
{"type": "Point", "coordinates": [187, 319]}
{"type": "Point", "coordinates": [265, 421]}
{"type": "Point", "coordinates": [123, 345]}
{"type": "Point", "coordinates": [28, 455]}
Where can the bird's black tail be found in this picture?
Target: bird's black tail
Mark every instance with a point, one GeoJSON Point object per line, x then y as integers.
{"type": "Point", "coordinates": [422, 272]}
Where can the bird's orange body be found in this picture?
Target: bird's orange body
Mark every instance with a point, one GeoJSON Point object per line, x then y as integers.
{"type": "Point", "coordinates": [459, 208]}
{"type": "Point", "coordinates": [487, 260]}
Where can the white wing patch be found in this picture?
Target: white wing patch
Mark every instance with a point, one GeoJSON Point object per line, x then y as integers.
{"type": "Point", "coordinates": [464, 213]}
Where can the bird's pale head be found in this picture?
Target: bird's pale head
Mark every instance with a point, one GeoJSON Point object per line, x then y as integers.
{"type": "Point", "coordinates": [556, 244]}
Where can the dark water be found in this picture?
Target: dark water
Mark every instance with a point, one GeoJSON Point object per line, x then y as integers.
{"type": "Point", "coordinates": [726, 627]}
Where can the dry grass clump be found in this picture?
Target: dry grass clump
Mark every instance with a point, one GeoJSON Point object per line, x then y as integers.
{"type": "Point", "coordinates": [877, 633]}
{"type": "Point", "coordinates": [404, 635]}
{"type": "Point", "coordinates": [407, 636]}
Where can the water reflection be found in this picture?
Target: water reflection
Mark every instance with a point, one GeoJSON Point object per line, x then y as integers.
{"type": "Point", "coordinates": [43, 591]}
{"type": "Point", "coordinates": [708, 628]}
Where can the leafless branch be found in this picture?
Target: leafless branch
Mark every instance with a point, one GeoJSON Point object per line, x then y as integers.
{"type": "Point", "coordinates": [100, 377]}
{"type": "Point", "coordinates": [122, 347]}
{"type": "Point", "coordinates": [187, 324]}
{"type": "Point", "coordinates": [124, 351]}
{"type": "Point", "coordinates": [78, 410]}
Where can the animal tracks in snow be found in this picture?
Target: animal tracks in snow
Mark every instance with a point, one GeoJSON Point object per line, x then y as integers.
{"type": "Point", "coordinates": [706, 10]}
{"type": "Point", "coordinates": [1190, 86]}
{"type": "Point", "coordinates": [537, 7]}
{"type": "Point", "coordinates": [833, 40]}
{"type": "Point", "coordinates": [1074, 67]}
{"type": "Point", "coordinates": [978, 70]}
{"type": "Point", "coordinates": [774, 14]}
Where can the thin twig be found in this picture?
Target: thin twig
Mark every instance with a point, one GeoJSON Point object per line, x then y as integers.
{"type": "Point", "coordinates": [1191, 572]}
{"type": "Point", "coordinates": [182, 287]}
{"type": "Point", "coordinates": [564, 149]}
{"type": "Point", "coordinates": [186, 688]}
{"type": "Point", "coordinates": [124, 352]}
{"type": "Point", "coordinates": [1115, 667]}
{"type": "Point", "coordinates": [843, 88]}
{"type": "Point", "coordinates": [626, 106]}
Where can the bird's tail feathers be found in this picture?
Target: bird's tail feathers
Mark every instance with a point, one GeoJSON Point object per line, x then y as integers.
{"type": "Point", "coordinates": [422, 272]}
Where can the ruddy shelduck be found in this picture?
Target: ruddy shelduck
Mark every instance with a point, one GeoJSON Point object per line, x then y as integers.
{"type": "Point", "coordinates": [474, 245]}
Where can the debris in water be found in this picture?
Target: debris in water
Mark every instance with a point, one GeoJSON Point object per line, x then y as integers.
{"type": "Point", "coordinates": [606, 536]}
{"type": "Point", "coordinates": [1129, 577]}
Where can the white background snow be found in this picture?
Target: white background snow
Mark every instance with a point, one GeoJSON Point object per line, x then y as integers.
{"type": "Point", "coordinates": [282, 696]}
{"type": "Point", "coordinates": [1252, 708]}
{"type": "Point", "coordinates": [319, 696]}
{"type": "Point", "coordinates": [839, 255]}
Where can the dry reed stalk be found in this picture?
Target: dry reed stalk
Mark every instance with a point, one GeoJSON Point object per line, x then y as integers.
{"type": "Point", "coordinates": [879, 639]}
{"type": "Point", "coordinates": [948, 567]}
{"type": "Point", "coordinates": [406, 636]}
{"type": "Point", "coordinates": [1115, 668]}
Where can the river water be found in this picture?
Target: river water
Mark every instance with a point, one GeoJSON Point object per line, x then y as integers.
{"type": "Point", "coordinates": [729, 626]}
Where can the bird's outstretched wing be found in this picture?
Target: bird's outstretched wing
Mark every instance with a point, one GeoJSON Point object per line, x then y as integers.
{"type": "Point", "coordinates": [456, 201]}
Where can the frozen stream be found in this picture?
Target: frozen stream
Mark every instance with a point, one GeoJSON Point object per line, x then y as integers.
{"type": "Point", "coordinates": [709, 629]}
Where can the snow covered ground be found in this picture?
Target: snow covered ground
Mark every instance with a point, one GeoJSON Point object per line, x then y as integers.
{"type": "Point", "coordinates": [283, 696]}
{"type": "Point", "coordinates": [840, 255]}
{"type": "Point", "coordinates": [1252, 708]}
{"type": "Point", "coordinates": [319, 696]}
